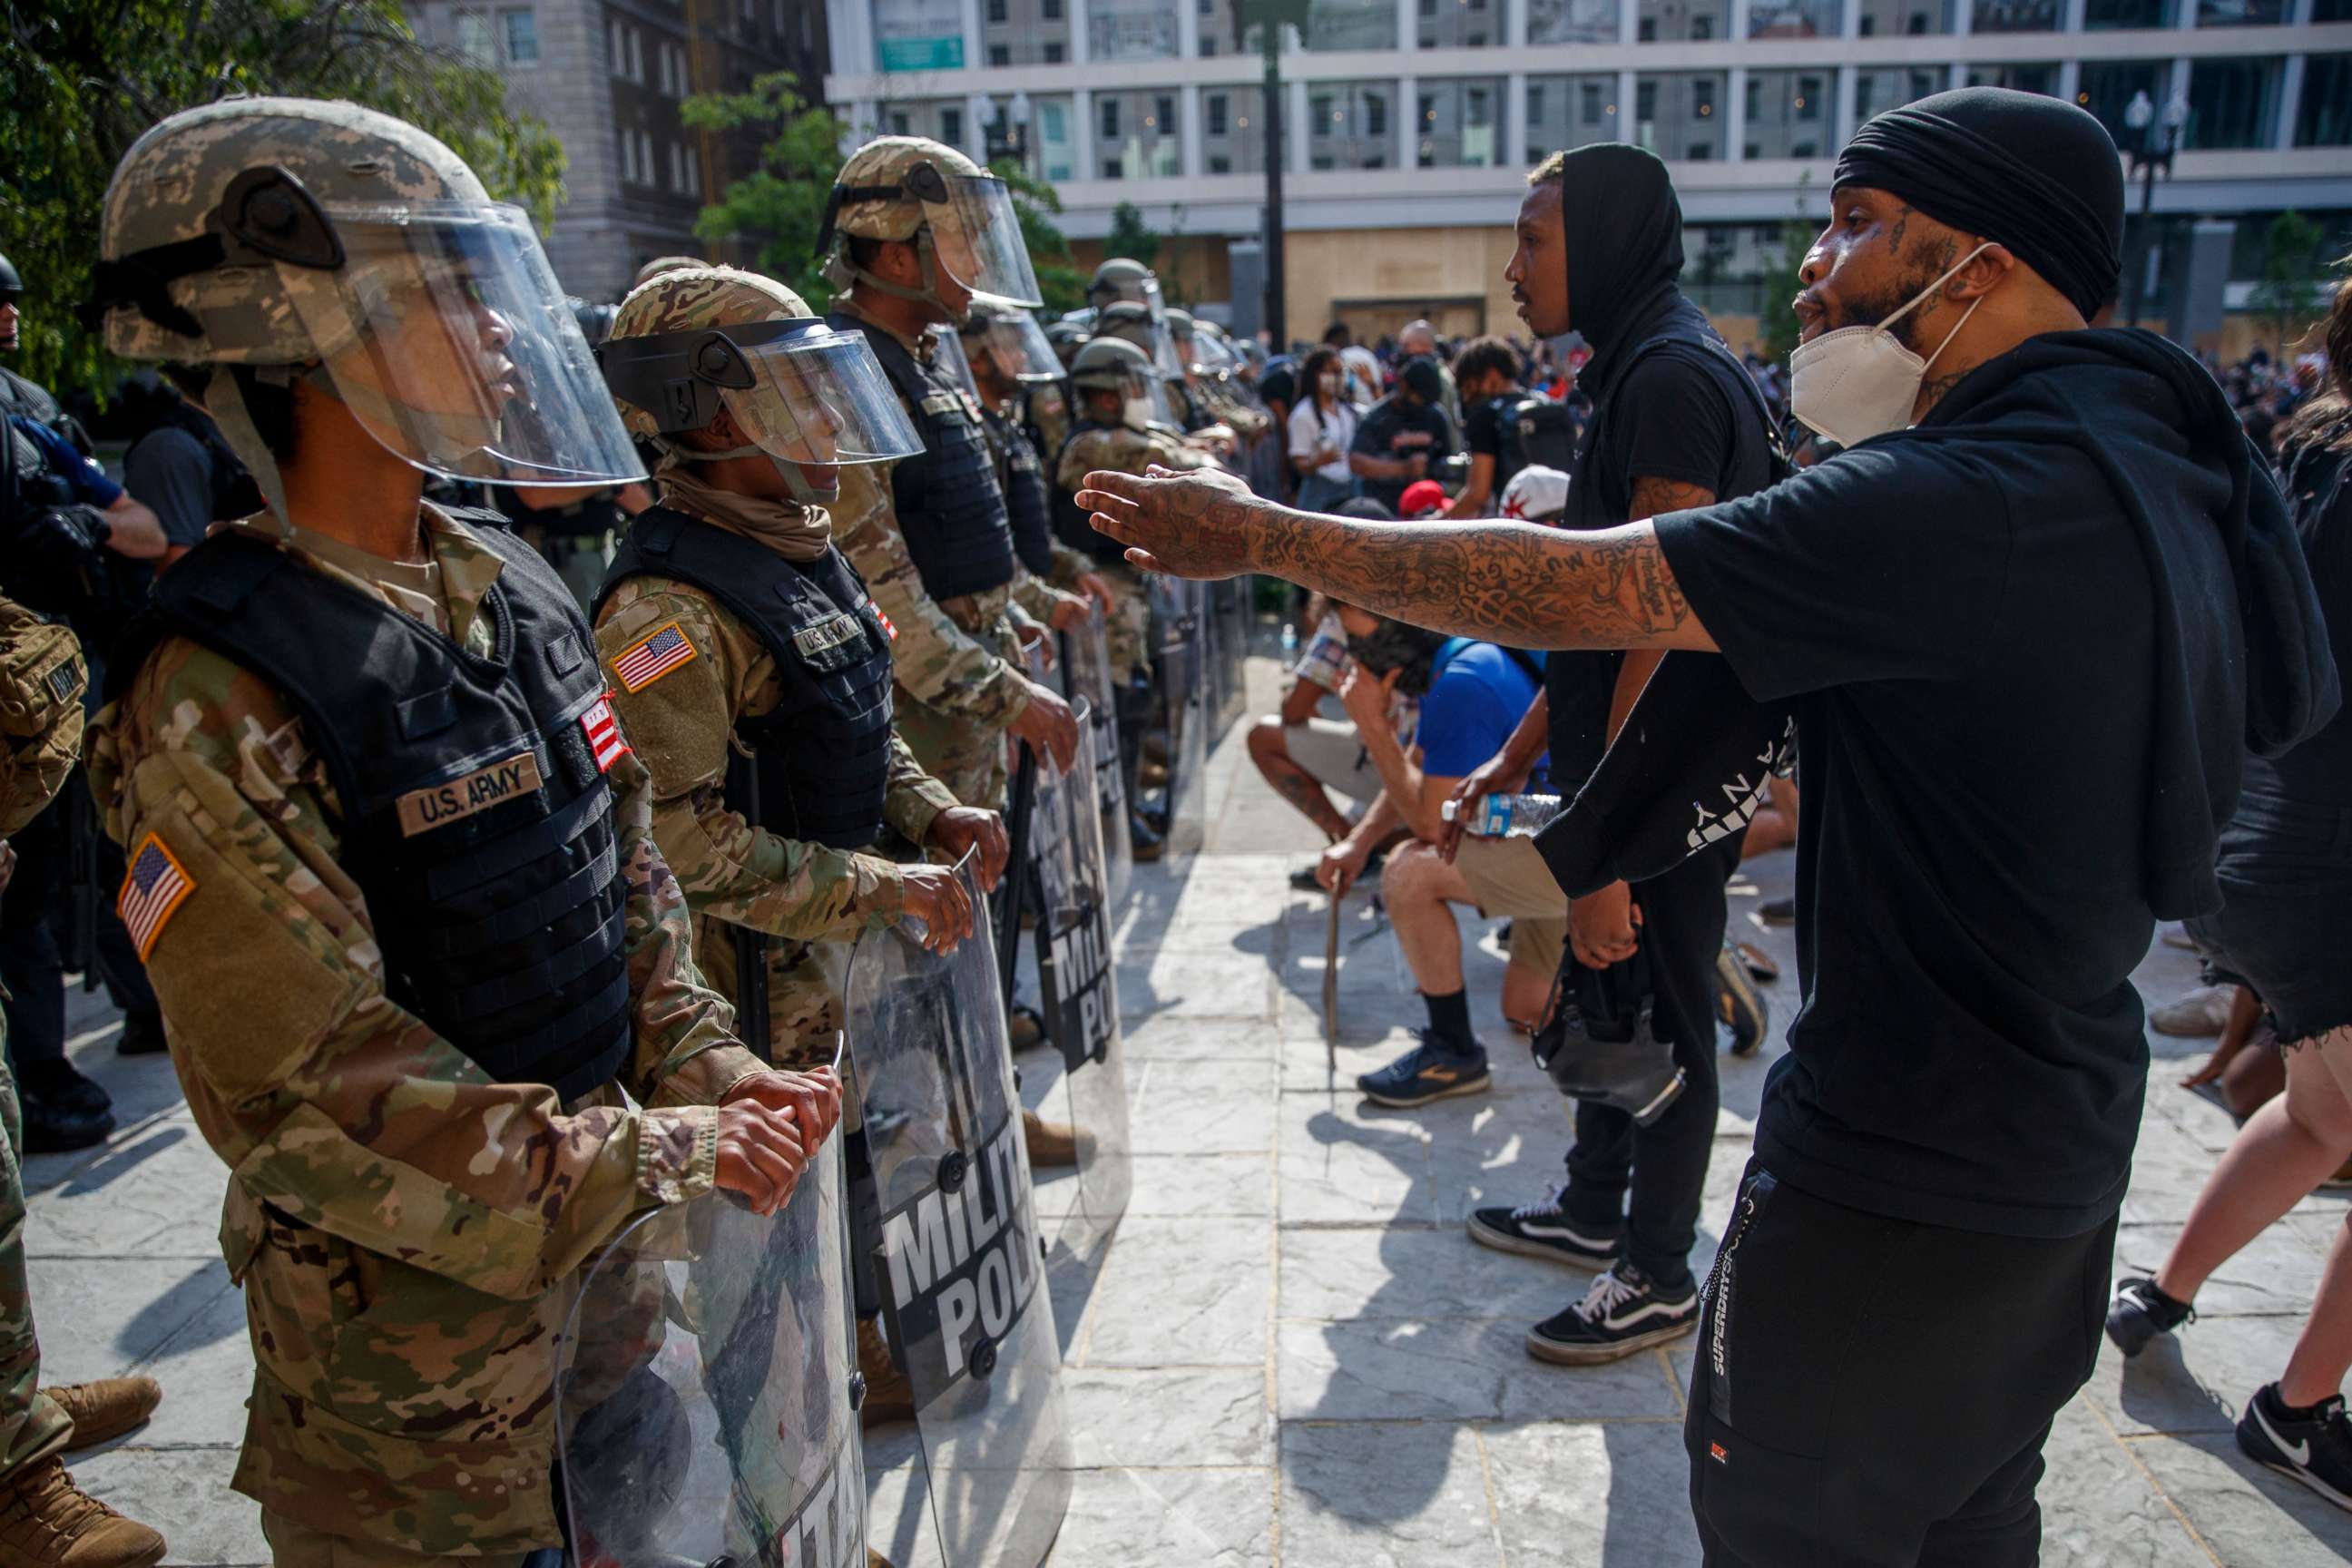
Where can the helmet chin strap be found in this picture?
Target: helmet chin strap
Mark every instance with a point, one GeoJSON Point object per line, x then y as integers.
{"type": "Point", "coordinates": [841, 272]}
{"type": "Point", "coordinates": [796, 482]}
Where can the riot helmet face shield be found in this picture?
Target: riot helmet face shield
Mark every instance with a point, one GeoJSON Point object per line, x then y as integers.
{"type": "Point", "coordinates": [1016, 344]}
{"type": "Point", "coordinates": [976, 236]}
{"type": "Point", "coordinates": [446, 335]}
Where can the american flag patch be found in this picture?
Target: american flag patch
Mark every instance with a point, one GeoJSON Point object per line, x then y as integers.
{"type": "Point", "coordinates": [156, 885]}
{"type": "Point", "coordinates": [604, 735]}
{"type": "Point", "coordinates": [650, 657]}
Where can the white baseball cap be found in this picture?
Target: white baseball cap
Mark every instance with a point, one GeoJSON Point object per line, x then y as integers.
{"type": "Point", "coordinates": [1536, 494]}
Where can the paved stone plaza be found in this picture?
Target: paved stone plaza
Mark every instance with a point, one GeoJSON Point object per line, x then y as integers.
{"type": "Point", "coordinates": [1294, 1356]}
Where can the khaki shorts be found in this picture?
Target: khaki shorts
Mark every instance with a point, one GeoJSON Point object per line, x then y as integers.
{"type": "Point", "coordinates": [1333, 757]}
{"type": "Point", "coordinates": [1508, 878]}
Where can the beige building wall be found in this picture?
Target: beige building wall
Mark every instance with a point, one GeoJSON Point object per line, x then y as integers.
{"type": "Point", "coordinates": [1377, 280]}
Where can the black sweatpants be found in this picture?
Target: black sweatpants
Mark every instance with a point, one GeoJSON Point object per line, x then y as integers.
{"type": "Point", "coordinates": [31, 915]}
{"type": "Point", "coordinates": [1874, 1392]}
{"type": "Point", "coordinates": [1664, 1163]}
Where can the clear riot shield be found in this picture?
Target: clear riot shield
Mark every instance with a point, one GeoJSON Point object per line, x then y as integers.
{"type": "Point", "coordinates": [945, 1225]}
{"type": "Point", "coordinates": [702, 1398]}
{"type": "Point", "coordinates": [1180, 614]}
{"type": "Point", "coordinates": [1080, 988]}
{"type": "Point", "coordinates": [1085, 666]}
{"type": "Point", "coordinates": [1229, 647]}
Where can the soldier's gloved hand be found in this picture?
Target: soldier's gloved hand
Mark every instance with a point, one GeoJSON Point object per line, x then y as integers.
{"type": "Point", "coordinates": [961, 830]}
{"type": "Point", "coordinates": [1097, 586]}
{"type": "Point", "coordinates": [759, 1154]}
{"type": "Point", "coordinates": [67, 536]}
{"type": "Point", "coordinates": [1070, 613]}
{"type": "Point", "coordinates": [1048, 725]}
{"type": "Point", "coordinates": [936, 896]}
{"type": "Point", "coordinates": [812, 1099]}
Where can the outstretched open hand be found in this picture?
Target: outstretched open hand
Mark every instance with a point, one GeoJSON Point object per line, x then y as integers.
{"type": "Point", "coordinates": [1195, 524]}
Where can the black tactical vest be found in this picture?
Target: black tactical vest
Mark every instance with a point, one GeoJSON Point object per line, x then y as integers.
{"type": "Point", "coordinates": [1073, 523]}
{"type": "Point", "coordinates": [945, 497]}
{"type": "Point", "coordinates": [824, 751]}
{"type": "Point", "coordinates": [478, 821]}
{"type": "Point", "coordinates": [1028, 502]}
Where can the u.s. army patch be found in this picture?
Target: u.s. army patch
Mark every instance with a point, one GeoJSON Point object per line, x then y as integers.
{"type": "Point", "coordinates": [651, 657]}
{"type": "Point", "coordinates": [824, 635]}
{"type": "Point", "coordinates": [156, 885]}
{"type": "Point", "coordinates": [435, 805]}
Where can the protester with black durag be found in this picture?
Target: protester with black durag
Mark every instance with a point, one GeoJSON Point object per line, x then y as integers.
{"type": "Point", "coordinates": [1675, 423]}
{"type": "Point", "coordinates": [2030, 622]}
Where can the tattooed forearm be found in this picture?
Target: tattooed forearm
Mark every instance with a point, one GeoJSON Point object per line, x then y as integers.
{"type": "Point", "coordinates": [1518, 583]}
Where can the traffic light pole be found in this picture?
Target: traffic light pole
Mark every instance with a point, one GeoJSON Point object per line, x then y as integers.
{"type": "Point", "coordinates": [1277, 334]}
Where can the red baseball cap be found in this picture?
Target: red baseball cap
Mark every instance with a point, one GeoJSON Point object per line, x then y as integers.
{"type": "Point", "coordinates": [1421, 497]}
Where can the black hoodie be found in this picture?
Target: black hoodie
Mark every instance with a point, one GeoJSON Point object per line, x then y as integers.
{"type": "Point", "coordinates": [2028, 644]}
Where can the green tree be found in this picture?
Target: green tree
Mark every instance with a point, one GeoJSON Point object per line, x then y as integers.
{"type": "Point", "coordinates": [779, 208]}
{"type": "Point", "coordinates": [1130, 236]}
{"type": "Point", "coordinates": [1062, 285]}
{"type": "Point", "coordinates": [2288, 292]}
{"type": "Point", "coordinates": [85, 78]}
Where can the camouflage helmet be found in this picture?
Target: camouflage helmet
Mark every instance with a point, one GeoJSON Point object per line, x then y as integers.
{"type": "Point", "coordinates": [692, 341]}
{"type": "Point", "coordinates": [264, 234]}
{"type": "Point", "coordinates": [1110, 364]}
{"type": "Point", "coordinates": [958, 216]}
{"type": "Point", "coordinates": [661, 264]}
{"type": "Point", "coordinates": [1067, 338]}
{"type": "Point", "coordinates": [1123, 278]}
{"type": "Point", "coordinates": [1139, 325]}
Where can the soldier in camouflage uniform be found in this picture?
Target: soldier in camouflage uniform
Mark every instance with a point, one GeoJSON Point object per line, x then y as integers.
{"type": "Point", "coordinates": [914, 231]}
{"type": "Point", "coordinates": [404, 989]}
{"type": "Point", "coordinates": [45, 1518]}
{"type": "Point", "coordinates": [700, 700]}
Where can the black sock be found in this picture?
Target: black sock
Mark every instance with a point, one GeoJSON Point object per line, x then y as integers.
{"type": "Point", "coordinates": [2294, 1412]}
{"type": "Point", "coordinates": [1449, 1019]}
{"type": "Point", "coordinates": [2174, 1309]}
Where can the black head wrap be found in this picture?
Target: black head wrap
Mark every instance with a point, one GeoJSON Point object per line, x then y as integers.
{"type": "Point", "coordinates": [1623, 230]}
{"type": "Point", "coordinates": [2033, 173]}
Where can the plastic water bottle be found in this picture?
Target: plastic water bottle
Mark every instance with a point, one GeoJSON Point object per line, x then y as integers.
{"type": "Point", "coordinates": [1515, 815]}
{"type": "Point", "coordinates": [1289, 639]}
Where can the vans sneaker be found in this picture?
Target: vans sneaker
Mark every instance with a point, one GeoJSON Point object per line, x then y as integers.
{"type": "Point", "coordinates": [1624, 1311]}
{"type": "Point", "coordinates": [1542, 1229]}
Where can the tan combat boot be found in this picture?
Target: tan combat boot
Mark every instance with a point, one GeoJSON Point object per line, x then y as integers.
{"type": "Point", "coordinates": [105, 1409]}
{"type": "Point", "coordinates": [1050, 1143]}
{"type": "Point", "coordinates": [889, 1395]}
{"type": "Point", "coordinates": [46, 1522]}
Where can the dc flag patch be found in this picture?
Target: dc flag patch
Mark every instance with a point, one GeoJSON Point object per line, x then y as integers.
{"type": "Point", "coordinates": [890, 630]}
{"type": "Point", "coordinates": [604, 735]}
{"type": "Point", "coordinates": [651, 657]}
{"type": "Point", "coordinates": [156, 885]}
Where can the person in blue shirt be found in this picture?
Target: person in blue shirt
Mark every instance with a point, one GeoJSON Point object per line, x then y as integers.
{"type": "Point", "coordinates": [1475, 695]}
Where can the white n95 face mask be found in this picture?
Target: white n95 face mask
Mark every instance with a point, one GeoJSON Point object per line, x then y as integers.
{"type": "Point", "coordinates": [1859, 382]}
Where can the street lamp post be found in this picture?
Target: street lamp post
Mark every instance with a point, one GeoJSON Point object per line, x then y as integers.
{"type": "Point", "coordinates": [1270, 16]}
{"type": "Point", "coordinates": [2153, 144]}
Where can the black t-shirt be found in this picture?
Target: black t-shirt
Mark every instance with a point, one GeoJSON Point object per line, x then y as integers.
{"type": "Point", "coordinates": [1482, 434]}
{"type": "Point", "coordinates": [2319, 488]}
{"type": "Point", "coordinates": [1393, 428]}
{"type": "Point", "coordinates": [1966, 629]}
{"type": "Point", "coordinates": [1674, 413]}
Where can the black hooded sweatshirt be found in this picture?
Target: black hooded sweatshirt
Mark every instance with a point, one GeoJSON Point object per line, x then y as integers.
{"type": "Point", "coordinates": [2028, 644]}
{"type": "Point", "coordinates": [1669, 402]}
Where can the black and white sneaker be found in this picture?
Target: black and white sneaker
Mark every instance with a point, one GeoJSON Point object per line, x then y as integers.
{"type": "Point", "coordinates": [1542, 1229]}
{"type": "Point", "coordinates": [2140, 1312]}
{"type": "Point", "coordinates": [2314, 1446]}
{"type": "Point", "coordinates": [1623, 1312]}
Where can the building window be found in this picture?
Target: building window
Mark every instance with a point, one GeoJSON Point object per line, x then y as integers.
{"type": "Point", "coordinates": [1214, 106]}
{"type": "Point", "coordinates": [521, 31]}
{"type": "Point", "coordinates": [1458, 126]}
{"type": "Point", "coordinates": [2107, 87]}
{"type": "Point", "coordinates": [2233, 102]}
{"type": "Point", "coordinates": [2240, 13]}
{"type": "Point", "coordinates": [1572, 21]}
{"type": "Point", "coordinates": [1350, 25]}
{"type": "Point", "coordinates": [1107, 119]}
{"type": "Point", "coordinates": [1675, 113]}
{"type": "Point", "coordinates": [1220, 164]}
{"type": "Point", "coordinates": [1673, 21]}
{"type": "Point", "coordinates": [2121, 15]}
{"type": "Point", "coordinates": [1049, 10]}
{"type": "Point", "coordinates": [1131, 29]}
{"type": "Point", "coordinates": [952, 127]}
{"type": "Point", "coordinates": [1905, 18]}
{"type": "Point", "coordinates": [999, 11]}
{"type": "Point", "coordinates": [1449, 24]}
{"type": "Point", "coordinates": [473, 32]}
{"type": "Point", "coordinates": [2331, 10]}
{"type": "Point", "coordinates": [1348, 125]}
{"type": "Point", "coordinates": [898, 123]}
{"type": "Point", "coordinates": [2326, 118]}
{"type": "Point", "coordinates": [2040, 76]}
{"type": "Point", "coordinates": [2020, 16]}
{"type": "Point", "coordinates": [1055, 52]}
{"type": "Point", "coordinates": [1000, 55]}
{"type": "Point", "coordinates": [1784, 114]}
{"type": "Point", "coordinates": [1112, 169]}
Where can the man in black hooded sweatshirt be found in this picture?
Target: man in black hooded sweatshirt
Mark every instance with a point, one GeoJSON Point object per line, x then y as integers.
{"type": "Point", "coordinates": [2028, 621]}
{"type": "Point", "coordinates": [1676, 423]}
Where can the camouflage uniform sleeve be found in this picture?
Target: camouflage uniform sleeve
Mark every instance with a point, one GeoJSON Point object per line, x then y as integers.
{"type": "Point", "coordinates": [681, 726]}
{"type": "Point", "coordinates": [915, 798]}
{"type": "Point", "coordinates": [1069, 565]}
{"type": "Point", "coordinates": [328, 1100]}
{"type": "Point", "coordinates": [939, 662]}
{"type": "Point", "coordinates": [1032, 595]}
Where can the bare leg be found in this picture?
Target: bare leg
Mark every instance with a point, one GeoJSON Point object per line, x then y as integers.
{"type": "Point", "coordinates": [1291, 782]}
{"type": "Point", "coordinates": [1420, 890]}
{"type": "Point", "coordinates": [1524, 991]}
{"type": "Point", "coordinates": [2284, 1151]}
{"type": "Point", "coordinates": [2323, 1353]}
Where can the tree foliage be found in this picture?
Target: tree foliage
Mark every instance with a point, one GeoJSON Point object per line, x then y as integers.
{"type": "Point", "coordinates": [2293, 265]}
{"type": "Point", "coordinates": [1778, 326]}
{"type": "Point", "coordinates": [779, 207]}
{"type": "Point", "coordinates": [1059, 280]}
{"type": "Point", "coordinates": [1130, 236]}
{"type": "Point", "coordinates": [85, 78]}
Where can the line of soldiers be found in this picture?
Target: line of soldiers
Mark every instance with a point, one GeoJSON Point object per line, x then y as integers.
{"type": "Point", "coordinates": [445, 892]}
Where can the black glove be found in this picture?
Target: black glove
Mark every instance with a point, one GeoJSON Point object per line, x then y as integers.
{"type": "Point", "coordinates": [72, 531]}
